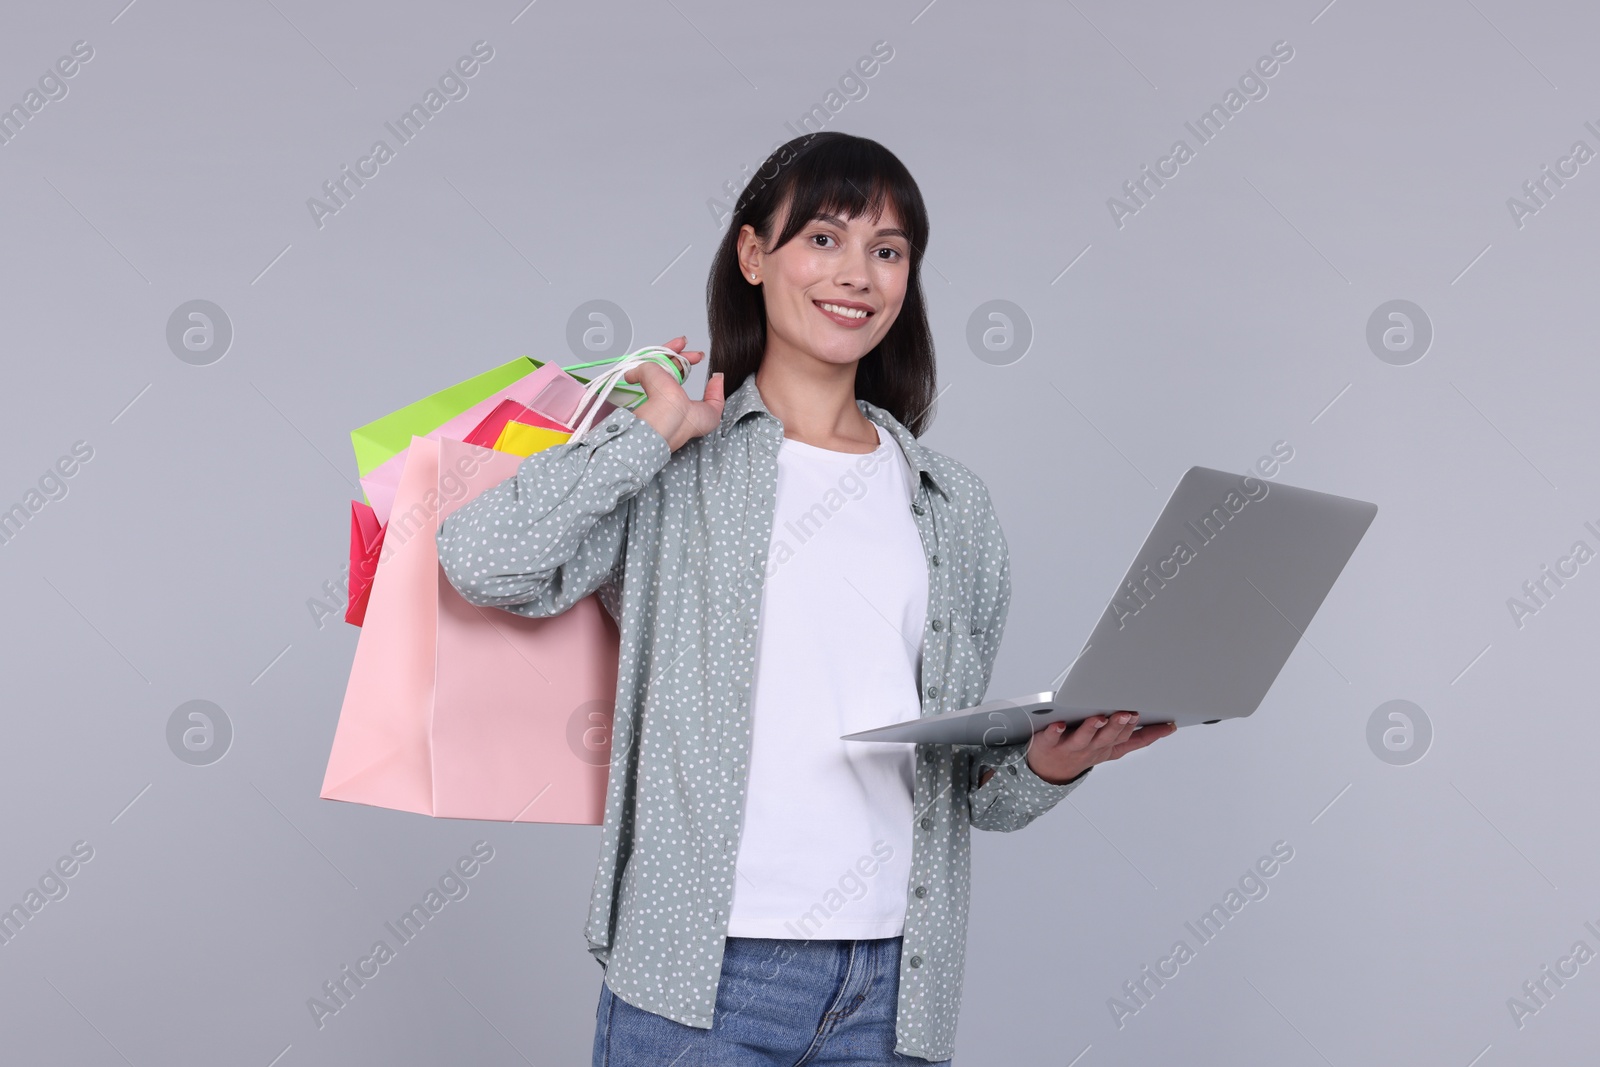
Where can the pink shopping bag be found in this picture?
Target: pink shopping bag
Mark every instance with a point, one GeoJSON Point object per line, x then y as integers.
{"type": "Point", "coordinates": [548, 391]}
{"type": "Point", "coordinates": [462, 712]}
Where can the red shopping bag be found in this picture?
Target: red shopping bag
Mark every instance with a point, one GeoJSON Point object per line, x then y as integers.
{"type": "Point", "coordinates": [366, 542]}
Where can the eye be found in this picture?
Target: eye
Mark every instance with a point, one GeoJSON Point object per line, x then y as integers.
{"type": "Point", "coordinates": [822, 236]}
{"type": "Point", "coordinates": [895, 254]}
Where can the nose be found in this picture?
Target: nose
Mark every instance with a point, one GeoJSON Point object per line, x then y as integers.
{"type": "Point", "coordinates": [852, 272]}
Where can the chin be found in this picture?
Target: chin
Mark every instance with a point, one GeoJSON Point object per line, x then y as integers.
{"type": "Point", "coordinates": [846, 349]}
{"type": "Point", "coordinates": [840, 354]}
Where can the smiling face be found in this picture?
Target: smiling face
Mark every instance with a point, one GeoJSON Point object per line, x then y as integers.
{"type": "Point", "coordinates": [833, 291]}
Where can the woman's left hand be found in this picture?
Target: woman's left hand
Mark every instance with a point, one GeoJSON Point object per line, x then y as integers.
{"type": "Point", "coordinates": [1058, 757]}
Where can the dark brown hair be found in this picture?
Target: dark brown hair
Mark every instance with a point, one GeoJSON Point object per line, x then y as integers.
{"type": "Point", "coordinates": [848, 176]}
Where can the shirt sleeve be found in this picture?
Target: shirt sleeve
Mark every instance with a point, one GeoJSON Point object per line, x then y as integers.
{"type": "Point", "coordinates": [553, 532]}
{"type": "Point", "coordinates": [1014, 795]}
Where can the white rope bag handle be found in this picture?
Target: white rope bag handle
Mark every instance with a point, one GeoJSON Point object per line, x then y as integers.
{"type": "Point", "coordinates": [601, 385]}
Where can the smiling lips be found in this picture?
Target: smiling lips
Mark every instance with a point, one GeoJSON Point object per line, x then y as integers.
{"type": "Point", "coordinates": [849, 315]}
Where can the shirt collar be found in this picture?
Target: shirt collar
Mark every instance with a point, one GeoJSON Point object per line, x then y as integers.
{"type": "Point", "coordinates": [747, 399]}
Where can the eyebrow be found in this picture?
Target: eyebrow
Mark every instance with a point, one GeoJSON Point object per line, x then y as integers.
{"type": "Point", "coordinates": [887, 231]}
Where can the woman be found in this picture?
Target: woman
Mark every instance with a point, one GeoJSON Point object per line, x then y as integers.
{"type": "Point", "coordinates": [786, 564]}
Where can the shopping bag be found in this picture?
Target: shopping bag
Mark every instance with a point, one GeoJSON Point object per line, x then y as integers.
{"type": "Point", "coordinates": [462, 712]}
{"type": "Point", "coordinates": [531, 433]}
{"type": "Point", "coordinates": [565, 408]}
{"type": "Point", "coordinates": [488, 431]}
{"type": "Point", "coordinates": [380, 440]}
{"type": "Point", "coordinates": [521, 439]}
{"type": "Point", "coordinates": [549, 391]}
{"type": "Point", "coordinates": [366, 542]}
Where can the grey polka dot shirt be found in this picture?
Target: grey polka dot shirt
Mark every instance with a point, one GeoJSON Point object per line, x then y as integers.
{"type": "Point", "coordinates": [675, 546]}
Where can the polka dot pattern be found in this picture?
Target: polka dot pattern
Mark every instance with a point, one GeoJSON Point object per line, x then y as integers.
{"type": "Point", "coordinates": [674, 545]}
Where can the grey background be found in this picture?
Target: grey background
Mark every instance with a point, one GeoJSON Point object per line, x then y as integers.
{"type": "Point", "coordinates": [1228, 314]}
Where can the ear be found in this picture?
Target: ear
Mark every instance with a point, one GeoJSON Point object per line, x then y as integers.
{"type": "Point", "coordinates": [749, 247]}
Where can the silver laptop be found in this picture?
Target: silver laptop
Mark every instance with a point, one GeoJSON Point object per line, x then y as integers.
{"type": "Point", "coordinates": [1223, 589]}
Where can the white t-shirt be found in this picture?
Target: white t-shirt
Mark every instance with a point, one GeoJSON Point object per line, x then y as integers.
{"type": "Point", "coordinates": [825, 848]}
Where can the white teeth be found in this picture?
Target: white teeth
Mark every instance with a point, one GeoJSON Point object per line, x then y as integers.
{"type": "Point", "coordinates": [849, 313]}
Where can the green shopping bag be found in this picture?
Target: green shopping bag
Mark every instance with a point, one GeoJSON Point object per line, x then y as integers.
{"type": "Point", "coordinates": [389, 436]}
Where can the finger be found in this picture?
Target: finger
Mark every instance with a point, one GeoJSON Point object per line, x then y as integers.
{"type": "Point", "coordinates": [655, 378]}
{"type": "Point", "coordinates": [684, 360]}
{"type": "Point", "coordinates": [713, 393]}
{"type": "Point", "coordinates": [707, 413]}
{"type": "Point", "coordinates": [1107, 743]}
{"type": "Point", "coordinates": [1146, 735]}
{"type": "Point", "coordinates": [1126, 723]}
{"type": "Point", "coordinates": [1051, 736]}
{"type": "Point", "coordinates": [1083, 737]}
{"type": "Point", "coordinates": [1133, 727]}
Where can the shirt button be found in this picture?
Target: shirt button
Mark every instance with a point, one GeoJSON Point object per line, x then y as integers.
{"type": "Point", "coordinates": [917, 508]}
{"type": "Point", "coordinates": [934, 561]}
{"type": "Point", "coordinates": [916, 961]}
{"type": "Point", "coordinates": [927, 823]}
{"type": "Point", "coordinates": [938, 624]}
{"type": "Point", "coordinates": [1012, 768]}
{"type": "Point", "coordinates": [933, 690]}
{"type": "Point", "coordinates": [922, 890]}
{"type": "Point", "coordinates": [613, 426]}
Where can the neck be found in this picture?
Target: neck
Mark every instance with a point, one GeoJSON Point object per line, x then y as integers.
{"type": "Point", "coordinates": [816, 402]}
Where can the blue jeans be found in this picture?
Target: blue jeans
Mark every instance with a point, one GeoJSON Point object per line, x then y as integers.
{"type": "Point", "coordinates": [780, 1003]}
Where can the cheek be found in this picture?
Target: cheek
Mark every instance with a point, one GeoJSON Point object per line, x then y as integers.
{"type": "Point", "coordinates": [788, 307]}
{"type": "Point", "coordinates": [885, 323]}
{"type": "Point", "coordinates": [893, 288]}
{"type": "Point", "coordinates": [891, 279]}
{"type": "Point", "coordinates": [796, 277]}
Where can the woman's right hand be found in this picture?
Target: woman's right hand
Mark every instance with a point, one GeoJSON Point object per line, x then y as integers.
{"type": "Point", "coordinates": [668, 408]}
